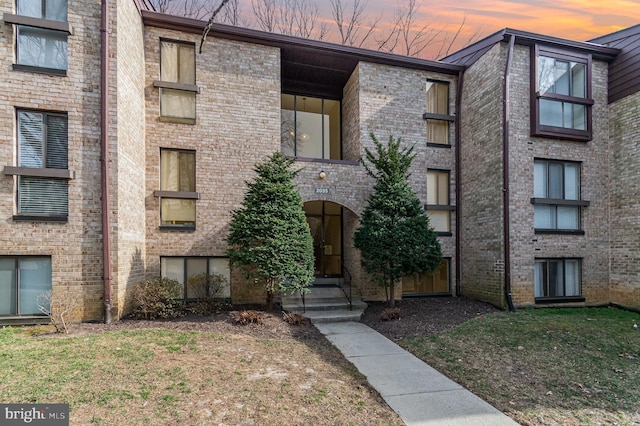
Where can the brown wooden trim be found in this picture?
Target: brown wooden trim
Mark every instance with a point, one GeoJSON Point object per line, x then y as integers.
{"type": "Point", "coordinates": [439, 207]}
{"type": "Point", "coordinates": [39, 70]}
{"type": "Point", "coordinates": [177, 120]}
{"type": "Point", "coordinates": [541, 231]}
{"type": "Point", "coordinates": [560, 202]}
{"type": "Point", "coordinates": [177, 194]}
{"type": "Point", "coordinates": [32, 218]}
{"type": "Point", "coordinates": [39, 172]}
{"type": "Point", "coordinates": [325, 160]}
{"type": "Point", "coordinates": [176, 86]}
{"type": "Point", "coordinates": [442, 117]}
{"type": "Point", "coordinates": [438, 145]}
{"type": "Point", "coordinates": [29, 21]}
{"type": "Point", "coordinates": [565, 98]}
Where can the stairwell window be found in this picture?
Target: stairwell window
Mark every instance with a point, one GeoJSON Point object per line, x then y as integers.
{"type": "Point", "coordinates": [556, 199]}
{"type": "Point", "coordinates": [177, 81]}
{"type": "Point", "coordinates": [42, 172]}
{"type": "Point", "coordinates": [177, 189]}
{"type": "Point", "coordinates": [437, 116]}
{"type": "Point", "coordinates": [41, 35]}
{"type": "Point", "coordinates": [438, 206]}
{"type": "Point", "coordinates": [561, 98]}
{"type": "Point", "coordinates": [557, 279]}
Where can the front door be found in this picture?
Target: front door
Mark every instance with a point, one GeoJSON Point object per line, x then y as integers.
{"type": "Point", "coordinates": [325, 222]}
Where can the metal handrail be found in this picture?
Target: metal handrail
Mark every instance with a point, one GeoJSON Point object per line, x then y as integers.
{"type": "Point", "coordinates": [346, 282]}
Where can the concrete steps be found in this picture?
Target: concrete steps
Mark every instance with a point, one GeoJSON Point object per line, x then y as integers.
{"type": "Point", "coordinates": [326, 302]}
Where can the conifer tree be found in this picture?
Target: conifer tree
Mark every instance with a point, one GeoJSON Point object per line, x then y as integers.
{"type": "Point", "coordinates": [394, 236]}
{"type": "Point", "coordinates": [269, 236]}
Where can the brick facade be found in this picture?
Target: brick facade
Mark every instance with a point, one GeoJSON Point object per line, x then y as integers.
{"type": "Point", "coordinates": [238, 123]}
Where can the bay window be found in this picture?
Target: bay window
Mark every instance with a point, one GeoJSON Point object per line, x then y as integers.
{"type": "Point", "coordinates": [561, 97]}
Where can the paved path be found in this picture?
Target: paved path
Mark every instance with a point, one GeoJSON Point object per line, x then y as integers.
{"type": "Point", "coordinates": [417, 392]}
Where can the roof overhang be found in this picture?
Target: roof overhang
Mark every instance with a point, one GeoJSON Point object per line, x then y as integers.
{"type": "Point", "coordinates": [308, 66]}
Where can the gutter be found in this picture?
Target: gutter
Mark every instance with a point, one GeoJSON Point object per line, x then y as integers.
{"type": "Point", "coordinates": [104, 158]}
{"type": "Point", "coordinates": [505, 176]}
{"type": "Point", "coordinates": [458, 181]}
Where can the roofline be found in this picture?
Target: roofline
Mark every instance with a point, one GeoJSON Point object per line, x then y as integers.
{"type": "Point", "coordinates": [194, 26]}
{"type": "Point", "coordinates": [526, 38]}
{"type": "Point", "coordinates": [625, 32]}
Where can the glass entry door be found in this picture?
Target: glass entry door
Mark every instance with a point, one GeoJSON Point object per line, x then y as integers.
{"type": "Point", "coordinates": [325, 222]}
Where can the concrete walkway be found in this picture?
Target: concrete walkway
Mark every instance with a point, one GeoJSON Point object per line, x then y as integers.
{"type": "Point", "coordinates": [418, 393]}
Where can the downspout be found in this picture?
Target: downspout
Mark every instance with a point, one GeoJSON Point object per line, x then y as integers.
{"type": "Point", "coordinates": [104, 159]}
{"type": "Point", "coordinates": [458, 181]}
{"type": "Point", "coordinates": [505, 176]}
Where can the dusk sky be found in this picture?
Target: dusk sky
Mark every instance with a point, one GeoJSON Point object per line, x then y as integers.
{"type": "Point", "coordinates": [573, 19]}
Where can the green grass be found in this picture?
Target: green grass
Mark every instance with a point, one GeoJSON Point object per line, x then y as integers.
{"type": "Point", "coordinates": [560, 363]}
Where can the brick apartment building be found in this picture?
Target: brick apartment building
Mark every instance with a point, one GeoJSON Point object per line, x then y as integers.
{"type": "Point", "coordinates": [125, 149]}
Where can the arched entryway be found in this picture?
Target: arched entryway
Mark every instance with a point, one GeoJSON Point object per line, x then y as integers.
{"type": "Point", "coordinates": [325, 220]}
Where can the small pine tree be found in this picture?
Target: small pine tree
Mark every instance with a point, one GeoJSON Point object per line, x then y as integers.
{"type": "Point", "coordinates": [394, 236]}
{"type": "Point", "coordinates": [269, 235]}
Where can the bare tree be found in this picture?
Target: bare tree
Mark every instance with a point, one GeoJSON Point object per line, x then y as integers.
{"type": "Point", "coordinates": [350, 24]}
{"type": "Point", "coordinates": [299, 18]}
{"type": "Point", "coordinates": [450, 39]}
{"type": "Point", "coordinates": [196, 9]}
{"type": "Point", "coordinates": [232, 15]}
{"type": "Point", "coordinates": [407, 37]}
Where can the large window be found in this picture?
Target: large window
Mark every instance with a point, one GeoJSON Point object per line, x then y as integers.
{"type": "Point", "coordinates": [557, 278]}
{"type": "Point", "coordinates": [177, 81]}
{"type": "Point", "coordinates": [557, 203]}
{"type": "Point", "coordinates": [41, 35]}
{"type": "Point", "coordinates": [436, 282]}
{"type": "Point", "coordinates": [177, 188]}
{"type": "Point", "coordinates": [187, 270]}
{"type": "Point", "coordinates": [437, 116]}
{"type": "Point", "coordinates": [562, 94]}
{"type": "Point", "coordinates": [22, 280]}
{"type": "Point", "coordinates": [311, 127]}
{"type": "Point", "coordinates": [438, 206]}
{"type": "Point", "coordinates": [42, 171]}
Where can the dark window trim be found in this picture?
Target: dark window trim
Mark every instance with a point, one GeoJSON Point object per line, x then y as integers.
{"type": "Point", "coordinates": [561, 299]}
{"type": "Point", "coordinates": [185, 278]}
{"type": "Point", "coordinates": [176, 86]}
{"type": "Point", "coordinates": [16, 259]}
{"type": "Point", "coordinates": [438, 145]}
{"type": "Point", "coordinates": [187, 227]}
{"type": "Point", "coordinates": [184, 195]}
{"type": "Point", "coordinates": [39, 172]}
{"type": "Point", "coordinates": [440, 207]}
{"type": "Point", "coordinates": [30, 21]}
{"type": "Point", "coordinates": [543, 231]}
{"type": "Point", "coordinates": [185, 43]}
{"type": "Point", "coordinates": [560, 202]}
{"type": "Point", "coordinates": [444, 234]}
{"type": "Point", "coordinates": [176, 120]}
{"type": "Point", "coordinates": [40, 70]}
{"type": "Point", "coordinates": [567, 299]}
{"type": "Point", "coordinates": [35, 218]}
{"type": "Point", "coordinates": [324, 160]}
{"type": "Point", "coordinates": [538, 129]}
{"type": "Point", "coordinates": [441, 117]}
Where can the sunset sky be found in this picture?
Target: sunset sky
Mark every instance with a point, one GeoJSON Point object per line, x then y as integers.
{"type": "Point", "coordinates": [573, 19]}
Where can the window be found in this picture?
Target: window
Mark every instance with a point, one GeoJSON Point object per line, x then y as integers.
{"type": "Point", "coordinates": [185, 269]}
{"type": "Point", "coordinates": [177, 81]}
{"type": "Point", "coordinates": [557, 278]}
{"type": "Point", "coordinates": [436, 282]}
{"type": "Point", "coordinates": [311, 127]}
{"type": "Point", "coordinates": [22, 280]}
{"type": "Point", "coordinates": [42, 169]}
{"type": "Point", "coordinates": [437, 115]}
{"type": "Point", "coordinates": [438, 207]}
{"type": "Point", "coordinates": [556, 187]}
{"type": "Point", "coordinates": [41, 35]}
{"type": "Point", "coordinates": [177, 188]}
{"type": "Point", "coordinates": [562, 94]}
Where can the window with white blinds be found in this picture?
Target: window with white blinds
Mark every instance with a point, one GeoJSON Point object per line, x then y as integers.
{"type": "Point", "coordinates": [42, 144]}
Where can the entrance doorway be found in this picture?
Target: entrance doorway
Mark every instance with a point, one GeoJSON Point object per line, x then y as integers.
{"type": "Point", "coordinates": [325, 222]}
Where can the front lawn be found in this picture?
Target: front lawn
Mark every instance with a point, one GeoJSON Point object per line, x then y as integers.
{"type": "Point", "coordinates": [545, 366]}
{"type": "Point", "coordinates": [120, 375]}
